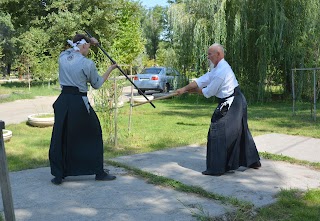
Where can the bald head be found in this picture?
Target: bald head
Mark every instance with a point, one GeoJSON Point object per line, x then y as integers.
{"type": "Point", "coordinates": [216, 47]}
{"type": "Point", "coordinates": [215, 53]}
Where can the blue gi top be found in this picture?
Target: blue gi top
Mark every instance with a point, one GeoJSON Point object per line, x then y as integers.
{"type": "Point", "coordinates": [77, 70]}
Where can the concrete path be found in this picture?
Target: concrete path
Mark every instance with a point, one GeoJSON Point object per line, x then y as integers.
{"type": "Point", "coordinates": [259, 187]}
{"type": "Point", "coordinates": [131, 198]}
{"type": "Point", "coordinates": [299, 147]}
{"type": "Point", "coordinates": [18, 111]}
{"type": "Point", "coordinates": [127, 198]}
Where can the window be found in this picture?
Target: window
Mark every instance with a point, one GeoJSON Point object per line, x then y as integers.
{"type": "Point", "coordinates": [151, 71]}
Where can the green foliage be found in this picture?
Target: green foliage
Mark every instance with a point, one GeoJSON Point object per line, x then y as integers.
{"type": "Point", "coordinates": [166, 56]}
{"type": "Point", "coordinates": [128, 42]}
{"type": "Point", "coordinates": [20, 90]}
{"type": "Point", "coordinates": [35, 58]}
{"type": "Point", "coordinates": [153, 26]}
{"type": "Point", "coordinates": [292, 205]}
{"type": "Point", "coordinates": [264, 40]}
{"type": "Point", "coordinates": [23, 12]}
{"type": "Point", "coordinates": [116, 24]}
{"type": "Point", "coordinates": [7, 39]}
{"type": "Point", "coordinates": [196, 25]}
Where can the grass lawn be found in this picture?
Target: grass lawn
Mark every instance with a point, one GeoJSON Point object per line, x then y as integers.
{"type": "Point", "coordinates": [20, 90]}
{"type": "Point", "coordinates": [178, 122]}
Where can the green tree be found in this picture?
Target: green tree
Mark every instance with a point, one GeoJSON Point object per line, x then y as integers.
{"type": "Point", "coordinates": [109, 21]}
{"type": "Point", "coordinates": [7, 42]}
{"type": "Point", "coordinates": [24, 12]}
{"type": "Point", "coordinates": [35, 57]}
{"type": "Point", "coordinates": [194, 26]}
{"type": "Point", "coordinates": [128, 42]}
{"type": "Point", "coordinates": [166, 56]}
{"type": "Point", "coordinates": [20, 16]}
{"type": "Point", "coordinates": [264, 40]}
{"type": "Point", "coordinates": [153, 25]}
{"type": "Point", "coordinates": [267, 39]}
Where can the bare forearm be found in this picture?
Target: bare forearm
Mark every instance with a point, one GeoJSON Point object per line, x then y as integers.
{"type": "Point", "coordinates": [195, 90]}
{"type": "Point", "coordinates": [191, 88]}
{"type": "Point", "coordinates": [105, 76]}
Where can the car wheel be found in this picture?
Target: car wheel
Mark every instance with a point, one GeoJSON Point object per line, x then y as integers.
{"type": "Point", "coordinates": [142, 92]}
{"type": "Point", "coordinates": [167, 88]}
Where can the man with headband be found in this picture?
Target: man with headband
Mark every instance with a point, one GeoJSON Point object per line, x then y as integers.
{"type": "Point", "coordinates": [230, 144]}
{"type": "Point", "coordinates": [76, 144]}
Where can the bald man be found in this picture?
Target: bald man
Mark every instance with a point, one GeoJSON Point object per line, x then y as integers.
{"type": "Point", "coordinates": [230, 143]}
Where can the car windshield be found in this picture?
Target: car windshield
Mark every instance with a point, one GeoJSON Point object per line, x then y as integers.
{"type": "Point", "coordinates": [151, 71]}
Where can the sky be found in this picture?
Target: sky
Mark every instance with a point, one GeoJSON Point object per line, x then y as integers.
{"type": "Point", "coordinates": [152, 3]}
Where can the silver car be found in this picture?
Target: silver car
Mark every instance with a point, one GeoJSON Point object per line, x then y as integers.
{"type": "Point", "coordinates": [160, 79]}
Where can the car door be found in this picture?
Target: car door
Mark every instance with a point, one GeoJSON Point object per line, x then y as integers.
{"type": "Point", "coordinates": [173, 78]}
{"type": "Point", "coordinates": [170, 76]}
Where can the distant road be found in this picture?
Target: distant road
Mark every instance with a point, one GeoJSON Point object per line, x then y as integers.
{"type": "Point", "coordinates": [18, 111]}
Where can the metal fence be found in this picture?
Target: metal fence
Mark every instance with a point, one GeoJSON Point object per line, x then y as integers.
{"type": "Point", "coordinates": [314, 71]}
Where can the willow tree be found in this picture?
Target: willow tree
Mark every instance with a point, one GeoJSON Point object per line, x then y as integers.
{"type": "Point", "coordinates": [153, 26]}
{"type": "Point", "coordinates": [182, 37]}
{"type": "Point", "coordinates": [264, 40]}
{"type": "Point", "coordinates": [196, 25]}
{"type": "Point", "coordinates": [268, 38]}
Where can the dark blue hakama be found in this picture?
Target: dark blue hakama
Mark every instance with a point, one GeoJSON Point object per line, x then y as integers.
{"type": "Point", "coordinates": [76, 144]}
{"type": "Point", "coordinates": [230, 143]}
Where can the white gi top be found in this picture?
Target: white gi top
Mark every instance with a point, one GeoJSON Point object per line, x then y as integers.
{"type": "Point", "coordinates": [77, 70]}
{"type": "Point", "coordinates": [219, 82]}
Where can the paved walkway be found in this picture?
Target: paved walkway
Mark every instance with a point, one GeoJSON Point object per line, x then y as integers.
{"type": "Point", "coordinates": [130, 198]}
{"type": "Point", "coordinates": [299, 147]}
{"type": "Point", "coordinates": [18, 111]}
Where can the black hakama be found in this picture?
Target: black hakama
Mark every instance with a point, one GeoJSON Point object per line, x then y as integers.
{"type": "Point", "coordinates": [76, 145]}
{"type": "Point", "coordinates": [230, 143]}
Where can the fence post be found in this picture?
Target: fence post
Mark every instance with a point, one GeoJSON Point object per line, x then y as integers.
{"type": "Point", "coordinates": [131, 105]}
{"type": "Point", "coordinates": [5, 181]}
{"type": "Point", "coordinates": [116, 100]}
{"type": "Point", "coordinates": [314, 95]}
{"type": "Point", "coordinates": [293, 93]}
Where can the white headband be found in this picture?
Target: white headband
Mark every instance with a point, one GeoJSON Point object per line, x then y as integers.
{"type": "Point", "coordinates": [74, 45]}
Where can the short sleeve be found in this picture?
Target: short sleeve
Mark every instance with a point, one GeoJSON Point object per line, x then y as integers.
{"type": "Point", "coordinates": [212, 88]}
{"type": "Point", "coordinates": [203, 81]}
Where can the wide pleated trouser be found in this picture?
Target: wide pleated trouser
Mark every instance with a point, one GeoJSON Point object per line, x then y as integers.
{"type": "Point", "coordinates": [76, 144]}
{"type": "Point", "coordinates": [230, 143]}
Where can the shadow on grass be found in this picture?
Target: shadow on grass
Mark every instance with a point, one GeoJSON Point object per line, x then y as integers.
{"type": "Point", "coordinates": [190, 124]}
{"type": "Point", "coordinates": [159, 145]}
